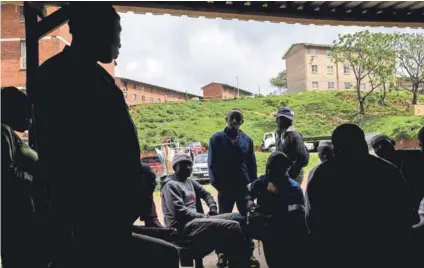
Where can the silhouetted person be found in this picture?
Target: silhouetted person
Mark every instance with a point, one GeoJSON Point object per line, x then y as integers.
{"type": "Point", "coordinates": [420, 138]}
{"type": "Point", "coordinates": [290, 142]}
{"type": "Point", "coordinates": [88, 144]}
{"type": "Point", "coordinates": [384, 147]}
{"type": "Point", "coordinates": [359, 214]}
{"type": "Point", "coordinates": [180, 205]}
{"type": "Point", "coordinates": [20, 193]}
{"type": "Point", "coordinates": [232, 165]}
{"type": "Point", "coordinates": [280, 215]}
{"type": "Point", "coordinates": [325, 153]}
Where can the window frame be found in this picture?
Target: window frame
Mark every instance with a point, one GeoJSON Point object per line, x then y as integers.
{"type": "Point", "coordinates": [328, 84]}
{"type": "Point", "coordinates": [332, 69]}
{"type": "Point", "coordinates": [317, 83]}
{"type": "Point", "coordinates": [23, 58]}
{"type": "Point", "coordinates": [134, 97]}
{"type": "Point", "coordinates": [312, 54]}
{"type": "Point", "coordinates": [312, 68]}
{"type": "Point", "coordinates": [344, 70]}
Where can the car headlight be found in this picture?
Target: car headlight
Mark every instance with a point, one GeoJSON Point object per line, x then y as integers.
{"type": "Point", "coordinates": [196, 169]}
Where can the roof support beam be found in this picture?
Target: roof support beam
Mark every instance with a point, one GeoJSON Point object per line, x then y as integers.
{"type": "Point", "coordinates": [54, 20]}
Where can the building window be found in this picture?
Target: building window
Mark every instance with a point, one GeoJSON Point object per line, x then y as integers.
{"type": "Point", "coordinates": [330, 85]}
{"type": "Point", "coordinates": [159, 100]}
{"type": "Point", "coordinates": [347, 85]}
{"type": "Point", "coordinates": [134, 97]}
{"type": "Point", "coordinates": [142, 89]}
{"type": "Point", "coordinates": [346, 70]}
{"type": "Point", "coordinates": [314, 84]}
{"type": "Point", "coordinates": [23, 54]}
{"type": "Point", "coordinates": [314, 68]}
{"type": "Point", "coordinates": [21, 13]}
{"type": "Point", "coordinates": [330, 69]}
{"type": "Point", "coordinates": [151, 99]}
{"type": "Point", "coordinates": [312, 51]}
{"type": "Point", "coordinates": [151, 90]}
{"type": "Point", "coordinates": [143, 98]}
{"type": "Point", "coordinates": [362, 85]}
{"type": "Point", "coordinates": [329, 53]}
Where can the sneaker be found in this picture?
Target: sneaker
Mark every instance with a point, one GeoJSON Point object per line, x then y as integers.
{"type": "Point", "coordinates": [222, 262]}
{"type": "Point", "coordinates": [254, 263]}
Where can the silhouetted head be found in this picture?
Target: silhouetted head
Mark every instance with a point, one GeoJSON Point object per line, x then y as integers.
{"type": "Point", "coordinates": [349, 139]}
{"type": "Point", "coordinates": [421, 138]}
{"type": "Point", "coordinates": [276, 169]}
{"type": "Point", "coordinates": [284, 118]}
{"type": "Point", "coordinates": [96, 28]}
{"type": "Point", "coordinates": [325, 150]}
{"type": "Point", "coordinates": [383, 146]}
{"type": "Point", "coordinates": [234, 120]}
{"type": "Point", "coordinates": [15, 109]}
{"type": "Point", "coordinates": [182, 165]}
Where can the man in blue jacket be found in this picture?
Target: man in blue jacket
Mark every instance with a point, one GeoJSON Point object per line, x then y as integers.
{"type": "Point", "coordinates": [232, 166]}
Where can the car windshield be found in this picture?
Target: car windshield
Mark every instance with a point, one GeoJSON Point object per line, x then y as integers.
{"type": "Point", "coordinates": [150, 160]}
{"type": "Point", "coordinates": [201, 159]}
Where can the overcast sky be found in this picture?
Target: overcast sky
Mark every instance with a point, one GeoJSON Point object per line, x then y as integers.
{"type": "Point", "coordinates": [187, 53]}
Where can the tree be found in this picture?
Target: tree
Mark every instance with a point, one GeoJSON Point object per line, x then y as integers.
{"type": "Point", "coordinates": [370, 56]}
{"type": "Point", "coordinates": [280, 81]}
{"type": "Point", "coordinates": [410, 59]}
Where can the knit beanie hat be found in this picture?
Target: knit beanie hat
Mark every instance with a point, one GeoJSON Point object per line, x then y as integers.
{"type": "Point", "coordinates": [180, 157]}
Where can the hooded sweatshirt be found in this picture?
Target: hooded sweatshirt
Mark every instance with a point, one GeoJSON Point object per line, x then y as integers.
{"type": "Point", "coordinates": [180, 201]}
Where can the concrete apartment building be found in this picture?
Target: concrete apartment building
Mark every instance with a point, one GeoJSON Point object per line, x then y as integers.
{"type": "Point", "coordinates": [136, 92]}
{"type": "Point", "coordinates": [13, 49]}
{"type": "Point", "coordinates": [222, 91]}
{"type": "Point", "coordinates": [311, 67]}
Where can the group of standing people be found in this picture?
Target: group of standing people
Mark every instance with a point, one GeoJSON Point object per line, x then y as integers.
{"type": "Point", "coordinates": [72, 200]}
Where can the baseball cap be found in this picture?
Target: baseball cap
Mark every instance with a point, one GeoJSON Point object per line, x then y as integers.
{"type": "Point", "coordinates": [181, 157]}
{"type": "Point", "coordinates": [286, 112]}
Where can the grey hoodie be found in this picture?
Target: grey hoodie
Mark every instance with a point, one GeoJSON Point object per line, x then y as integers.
{"type": "Point", "coordinates": [179, 201]}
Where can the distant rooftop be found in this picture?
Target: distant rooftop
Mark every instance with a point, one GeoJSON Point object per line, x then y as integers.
{"type": "Point", "coordinates": [163, 88]}
{"type": "Point", "coordinates": [230, 87]}
{"type": "Point", "coordinates": [305, 45]}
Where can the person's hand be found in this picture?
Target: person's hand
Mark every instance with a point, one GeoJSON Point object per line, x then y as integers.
{"type": "Point", "coordinates": [213, 211]}
{"type": "Point", "coordinates": [251, 206]}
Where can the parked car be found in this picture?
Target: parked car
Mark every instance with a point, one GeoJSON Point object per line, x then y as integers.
{"type": "Point", "coordinates": [268, 143]}
{"type": "Point", "coordinates": [154, 163]}
{"type": "Point", "coordinates": [200, 168]}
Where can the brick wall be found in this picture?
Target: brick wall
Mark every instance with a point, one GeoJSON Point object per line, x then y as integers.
{"type": "Point", "coordinates": [138, 93]}
{"type": "Point", "coordinates": [214, 91]}
{"type": "Point", "coordinates": [12, 27]}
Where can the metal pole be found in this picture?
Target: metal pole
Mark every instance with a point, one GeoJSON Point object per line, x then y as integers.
{"type": "Point", "coordinates": [32, 63]}
{"type": "Point", "coordinates": [238, 90]}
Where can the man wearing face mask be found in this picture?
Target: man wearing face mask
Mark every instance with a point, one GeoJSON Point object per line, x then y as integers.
{"type": "Point", "coordinates": [290, 142]}
{"type": "Point", "coordinates": [232, 165]}
{"type": "Point", "coordinates": [208, 232]}
{"type": "Point", "coordinates": [97, 176]}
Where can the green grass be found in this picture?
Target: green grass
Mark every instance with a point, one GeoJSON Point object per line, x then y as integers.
{"type": "Point", "coordinates": [317, 113]}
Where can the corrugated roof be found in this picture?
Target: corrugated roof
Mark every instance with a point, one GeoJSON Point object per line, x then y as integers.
{"type": "Point", "coordinates": [358, 13]}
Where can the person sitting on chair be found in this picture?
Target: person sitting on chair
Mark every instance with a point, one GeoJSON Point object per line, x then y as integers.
{"type": "Point", "coordinates": [280, 215]}
{"type": "Point", "coordinates": [207, 232]}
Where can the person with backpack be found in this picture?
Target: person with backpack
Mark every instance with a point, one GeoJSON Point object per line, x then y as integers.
{"type": "Point", "coordinates": [290, 142]}
{"type": "Point", "coordinates": [278, 221]}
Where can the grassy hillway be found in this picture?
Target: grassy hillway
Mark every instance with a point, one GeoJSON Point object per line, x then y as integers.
{"type": "Point", "coordinates": [316, 114]}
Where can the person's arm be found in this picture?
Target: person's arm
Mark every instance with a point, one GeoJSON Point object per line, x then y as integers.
{"type": "Point", "coordinates": [251, 162]}
{"type": "Point", "coordinates": [175, 204]}
{"type": "Point", "coordinates": [256, 187]}
{"type": "Point", "coordinates": [314, 205]}
{"type": "Point", "coordinates": [213, 163]}
{"type": "Point", "coordinates": [205, 195]}
{"type": "Point", "coordinates": [295, 150]}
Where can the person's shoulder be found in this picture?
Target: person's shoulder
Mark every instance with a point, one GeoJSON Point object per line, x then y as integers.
{"type": "Point", "coordinates": [217, 135]}
{"type": "Point", "coordinates": [245, 136]}
{"type": "Point", "coordinates": [54, 64]}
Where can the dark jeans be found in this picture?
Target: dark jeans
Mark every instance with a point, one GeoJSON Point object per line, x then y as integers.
{"type": "Point", "coordinates": [218, 233]}
{"type": "Point", "coordinates": [226, 205]}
